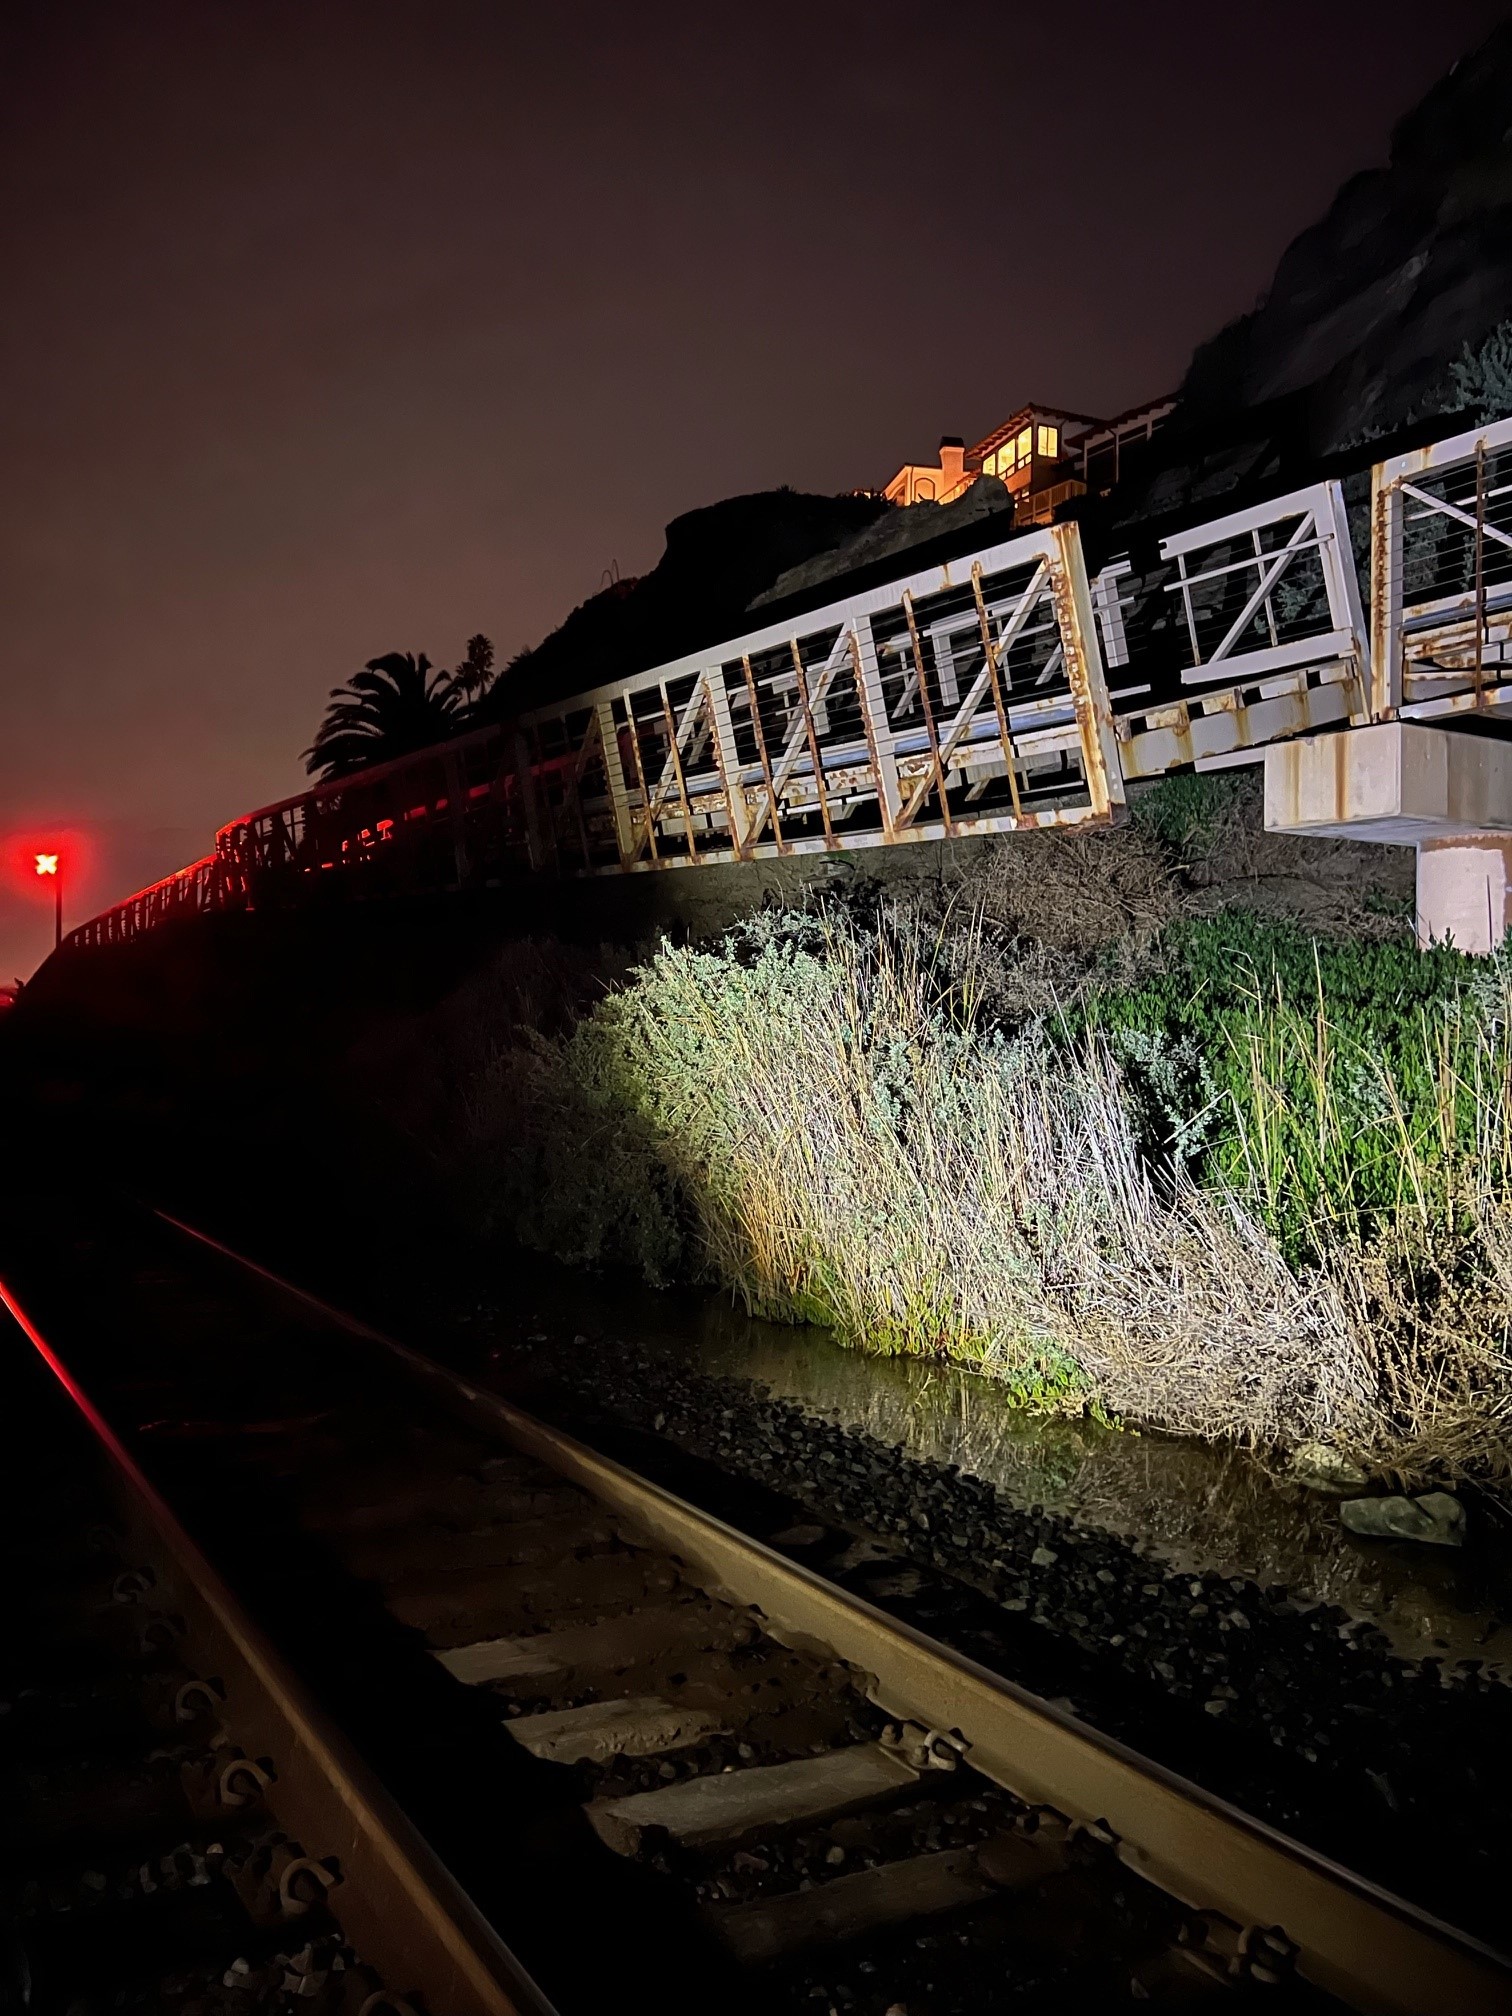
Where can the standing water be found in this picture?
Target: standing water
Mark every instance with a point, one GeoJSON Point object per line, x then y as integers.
{"type": "Point", "coordinates": [1191, 1505]}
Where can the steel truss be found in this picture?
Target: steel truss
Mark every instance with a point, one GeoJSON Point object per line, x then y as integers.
{"type": "Point", "coordinates": [1002, 691]}
{"type": "Point", "coordinates": [967, 699]}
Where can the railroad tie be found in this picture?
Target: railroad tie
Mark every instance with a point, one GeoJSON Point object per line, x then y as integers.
{"type": "Point", "coordinates": [869, 1900]}
{"type": "Point", "coordinates": [642, 1726]}
{"type": "Point", "coordinates": [606, 1647]}
{"type": "Point", "coordinates": [729, 1804]}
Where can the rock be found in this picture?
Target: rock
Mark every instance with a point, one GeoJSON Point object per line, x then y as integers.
{"type": "Point", "coordinates": [1043, 1557]}
{"type": "Point", "coordinates": [1436, 1518]}
{"type": "Point", "coordinates": [1371, 305]}
{"type": "Point", "coordinates": [1321, 1468]}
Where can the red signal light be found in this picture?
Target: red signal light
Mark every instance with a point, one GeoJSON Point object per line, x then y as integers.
{"type": "Point", "coordinates": [47, 864]}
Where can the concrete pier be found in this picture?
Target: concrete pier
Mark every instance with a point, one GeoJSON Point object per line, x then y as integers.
{"type": "Point", "coordinates": [1445, 792]}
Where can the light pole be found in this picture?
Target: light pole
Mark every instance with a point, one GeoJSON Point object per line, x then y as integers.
{"type": "Point", "coordinates": [49, 864]}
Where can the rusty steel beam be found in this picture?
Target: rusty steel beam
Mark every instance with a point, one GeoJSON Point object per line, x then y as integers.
{"type": "Point", "coordinates": [990, 651]}
{"type": "Point", "coordinates": [801, 682]}
{"type": "Point", "coordinates": [727, 761]}
{"type": "Point", "coordinates": [1078, 630]}
{"type": "Point", "coordinates": [674, 757]}
{"type": "Point", "coordinates": [648, 817]}
{"type": "Point", "coordinates": [766, 762]}
{"type": "Point", "coordinates": [1421, 653]}
{"type": "Point", "coordinates": [926, 708]}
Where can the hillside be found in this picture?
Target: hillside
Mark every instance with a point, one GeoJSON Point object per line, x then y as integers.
{"type": "Point", "coordinates": [1370, 307]}
{"type": "Point", "coordinates": [717, 560]}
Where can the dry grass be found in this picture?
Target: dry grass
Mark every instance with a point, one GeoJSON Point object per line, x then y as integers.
{"type": "Point", "coordinates": [852, 1149]}
{"type": "Point", "coordinates": [816, 1114]}
{"type": "Point", "coordinates": [1074, 891]}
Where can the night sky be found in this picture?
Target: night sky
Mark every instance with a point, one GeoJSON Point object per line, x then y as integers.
{"type": "Point", "coordinates": [332, 329]}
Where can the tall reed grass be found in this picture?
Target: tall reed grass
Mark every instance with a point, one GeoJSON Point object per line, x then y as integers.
{"type": "Point", "coordinates": [820, 1114]}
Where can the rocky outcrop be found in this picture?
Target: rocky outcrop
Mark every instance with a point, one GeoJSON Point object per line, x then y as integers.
{"type": "Point", "coordinates": [1436, 1517]}
{"type": "Point", "coordinates": [1372, 305]}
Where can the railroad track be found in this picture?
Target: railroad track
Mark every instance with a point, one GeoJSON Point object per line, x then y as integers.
{"type": "Point", "coordinates": [664, 1763]}
{"type": "Point", "coordinates": [154, 1855]}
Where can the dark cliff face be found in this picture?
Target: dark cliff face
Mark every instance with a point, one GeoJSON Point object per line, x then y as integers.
{"type": "Point", "coordinates": [1371, 306]}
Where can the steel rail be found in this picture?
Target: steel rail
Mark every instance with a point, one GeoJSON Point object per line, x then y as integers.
{"type": "Point", "coordinates": [1375, 1952]}
{"type": "Point", "coordinates": [395, 1901]}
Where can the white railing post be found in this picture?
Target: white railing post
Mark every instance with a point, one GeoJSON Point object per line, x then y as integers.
{"type": "Point", "coordinates": [1109, 608]}
{"type": "Point", "coordinates": [614, 774]}
{"type": "Point", "coordinates": [1341, 579]}
{"type": "Point", "coordinates": [727, 758]}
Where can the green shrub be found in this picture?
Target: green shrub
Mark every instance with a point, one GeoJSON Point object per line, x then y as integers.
{"type": "Point", "coordinates": [1339, 1082]}
{"type": "Point", "coordinates": [1181, 812]}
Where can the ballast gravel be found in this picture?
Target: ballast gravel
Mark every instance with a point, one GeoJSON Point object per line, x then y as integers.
{"type": "Point", "coordinates": [1400, 1768]}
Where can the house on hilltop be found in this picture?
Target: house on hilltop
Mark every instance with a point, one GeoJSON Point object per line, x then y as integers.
{"type": "Point", "coordinates": [1041, 455]}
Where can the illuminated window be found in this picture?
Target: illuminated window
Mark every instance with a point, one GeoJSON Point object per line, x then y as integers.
{"type": "Point", "coordinates": [1024, 444]}
{"type": "Point", "coordinates": [1049, 442]}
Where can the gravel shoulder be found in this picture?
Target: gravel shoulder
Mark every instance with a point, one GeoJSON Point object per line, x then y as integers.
{"type": "Point", "coordinates": [1297, 1712]}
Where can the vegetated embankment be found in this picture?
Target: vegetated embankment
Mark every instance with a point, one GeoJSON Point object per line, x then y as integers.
{"type": "Point", "coordinates": [1218, 1171]}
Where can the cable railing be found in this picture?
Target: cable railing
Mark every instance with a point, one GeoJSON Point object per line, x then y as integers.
{"type": "Point", "coordinates": [1441, 533]}
{"type": "Point", "coordinates": [1000, 691]}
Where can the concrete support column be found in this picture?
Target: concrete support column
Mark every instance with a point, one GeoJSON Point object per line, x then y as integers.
{"type": "Point", "coordinates": [1462, 891]}
{"type": "Point", "coordinates": [1445, 792]}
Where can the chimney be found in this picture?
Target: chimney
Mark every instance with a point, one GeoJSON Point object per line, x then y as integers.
{"type": "Point", "coordinates": [952, 462]}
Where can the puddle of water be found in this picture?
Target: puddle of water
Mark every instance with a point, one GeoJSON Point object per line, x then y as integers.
{"type": "Point", "coordinates": [1193, 1505]}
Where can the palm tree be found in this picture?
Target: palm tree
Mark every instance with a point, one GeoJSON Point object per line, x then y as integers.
{"type": "Point", "coordinates": [475, 674]}
{"type": "Point", "coordinates": [396, 704]}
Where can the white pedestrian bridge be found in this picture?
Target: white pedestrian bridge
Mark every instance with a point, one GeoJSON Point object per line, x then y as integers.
{"type": "Point", "coordinates": [1001, 690]}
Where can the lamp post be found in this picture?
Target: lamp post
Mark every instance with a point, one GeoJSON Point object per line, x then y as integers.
{"type": "Point", "coordinates": [48, 864]}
